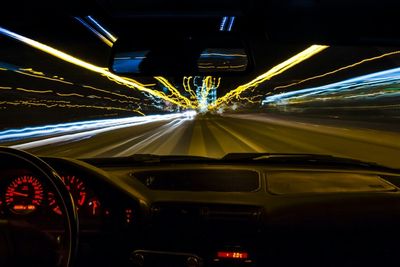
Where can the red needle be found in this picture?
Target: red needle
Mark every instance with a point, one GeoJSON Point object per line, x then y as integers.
{"type": "Point", "coordinates": [20, 194]}
{"type": "Point", "coordinates": [94, 207]}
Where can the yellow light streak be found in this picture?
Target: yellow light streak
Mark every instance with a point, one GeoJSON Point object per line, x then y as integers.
{"type": "Point", "coordinates": [276, 70]}
{"type": "Point", "coordinates": [42, 77]}
{"type": "Point", "coordinates": [208, 83]}
{"type": "Point", "coordinates": [81, 63]}
{"type": "Point", "coordinates": [70, 94]}
{"type": "Point", "coordinates": [5, 88]}
{"type": "Point", "coordinates": [337, 70]}
{"type": "Point", "coordinates": [186, 86]}
{"type": "Point", "coordinates": [110, 92]}
{"type": "Point", "coordinates": [116, 100]}
{"type": "Point", "coordinates": [33, 71]}
{"type": "Point", "coordinates": [51, 101]}
{"type": "Point", "coordinates": [34, 91]}
{"type": "Point", "coordinates": [93, 96]}
{"type": "Point", "coordinates": [105, 40]}
{"type": "Point", "coordinates": [175, 92]}
{"type": "Point", "coordinates": [32, 103]}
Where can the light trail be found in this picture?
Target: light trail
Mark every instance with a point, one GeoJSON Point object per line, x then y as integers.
{"type": "Point", "coordinates": [103, 29]}
{"type": "Point", "coordinates": [175, 92]}
{"type": "Point", "coordinates": [52, 101]}
{"type": "Point", "coordinates": [35, 91]}
{"type": "Point", "coordinates": [69, 132]}
{"type": "Point", "coordinates": [222, 55]}
{"type": "Point", "coordinates": [276, 70]}
{"type": "Point", "coordinates": [109, 92]}
{"type": "Point", "coordinates": [39, 104]}
{"type": "Point", "coordinates": [338, 70]}
{"type": "Point", "coordinates": [95, 32]}
{"type": "Point", "coordinates": [81, 63]}
{"type": "Point", "coordinates": [209, 83]}
{"type": "Point", "coordinates": [41, 75]}
{"type": "Point", "coordinates": [70, 94]}
{"type": "Point", "coordinates": [62, 128]}
{"type": "Point", "coordinates": [187, 87]}
{"type": "Point", "coordinates": [364, 84]}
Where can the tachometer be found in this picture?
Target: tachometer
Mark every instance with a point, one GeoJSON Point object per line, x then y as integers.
{"type": "Point", "coordinates": [77, 189]}
{"type": "Point", "coordinates": [24, 194]}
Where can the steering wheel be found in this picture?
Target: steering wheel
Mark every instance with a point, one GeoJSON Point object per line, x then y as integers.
{"type": "Point", "coordinates": [9, 231]}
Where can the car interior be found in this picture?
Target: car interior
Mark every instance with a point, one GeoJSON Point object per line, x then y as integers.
{"type": "Point", "coordinates": [240, 209]}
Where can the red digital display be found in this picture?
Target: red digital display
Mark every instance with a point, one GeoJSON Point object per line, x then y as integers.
{"type": "Point", "coordinates": [232, 255]}
{"type": "Point", "coordinates": [24, 207]}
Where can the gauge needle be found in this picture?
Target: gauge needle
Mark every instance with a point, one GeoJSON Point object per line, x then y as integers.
{"type": "Point", "coordinates": [20, 194]}
{"type": "Point", "coordinates": [94, 207]}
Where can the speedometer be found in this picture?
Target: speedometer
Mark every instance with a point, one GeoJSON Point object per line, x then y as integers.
{"type": "Point", "coordinates": [24, 194]}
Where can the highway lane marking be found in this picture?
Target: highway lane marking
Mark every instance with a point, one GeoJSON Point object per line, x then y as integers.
{"type": "Point", "coordinates": [197, 144]}
{"type": "Point", "coordinates": [106, 149]}
{"type": "Point", "coordinates": [213, 146]}
{"type": "Point", "coordinates": [242, 138]}
{"type": "Point", "coordinates": [341, 145]}
{"type": "Point", "coordinates": [173, 141]}
{"type": "Point", "coordinates": [152, 138]}
{"type": "Point", "coordinates": [182, 147]}
{"type": "Point", "coordinates": [277, 137]}
{"type": "Point", "coordinates": [227, 141]}
{"type": "Point", "coordinates": [165, 143]}
{"type": "Point", "coordinates": [387, 139]}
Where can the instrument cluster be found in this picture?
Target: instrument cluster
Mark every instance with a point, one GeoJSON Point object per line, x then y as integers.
{"type": "Point", "coordinates": [23, 193]}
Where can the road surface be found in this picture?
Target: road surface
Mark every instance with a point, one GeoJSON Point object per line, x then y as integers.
{"type": "Point", "coordinates": [215, 136]}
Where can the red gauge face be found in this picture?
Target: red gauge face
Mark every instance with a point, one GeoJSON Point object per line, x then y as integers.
{"type": "Point", "coordinates": [24, 194]}
{"type": "Point", "coordinates": [77, 189]}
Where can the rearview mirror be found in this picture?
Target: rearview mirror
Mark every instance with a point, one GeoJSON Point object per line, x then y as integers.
{"type": "Point", "coordinates": [181, 55]}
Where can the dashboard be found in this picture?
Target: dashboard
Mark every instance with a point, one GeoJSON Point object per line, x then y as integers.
{"type": "Point", "coordinates": [210, 214]}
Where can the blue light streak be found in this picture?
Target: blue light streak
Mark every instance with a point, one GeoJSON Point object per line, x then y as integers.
{"type": "Point", "coordinates": [101, 36]}
{"type": "Point", "coordinates": [86, 127]}
{"type": "Point", "coordinates": [372, 80]}
{"type": "Point", "coordinates": [227, 24]}
{"type": "Point", "coordinates": [223, 23]}
{"type": "Point", "coordinates": [100, 27]}
{"type": "Point", "coordinates": [232, 20]}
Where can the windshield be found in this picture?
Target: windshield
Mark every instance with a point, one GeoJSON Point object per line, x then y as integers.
{"type": "Point", "coordinates": [58, 98]}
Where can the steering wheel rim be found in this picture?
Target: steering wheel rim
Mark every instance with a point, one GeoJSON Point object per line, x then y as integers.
{"type": "Point", "coordinates": [66, 203]}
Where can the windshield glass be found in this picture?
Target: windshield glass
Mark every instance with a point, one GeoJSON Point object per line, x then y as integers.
{"type": "Point", "coordinates": [58, 98]}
